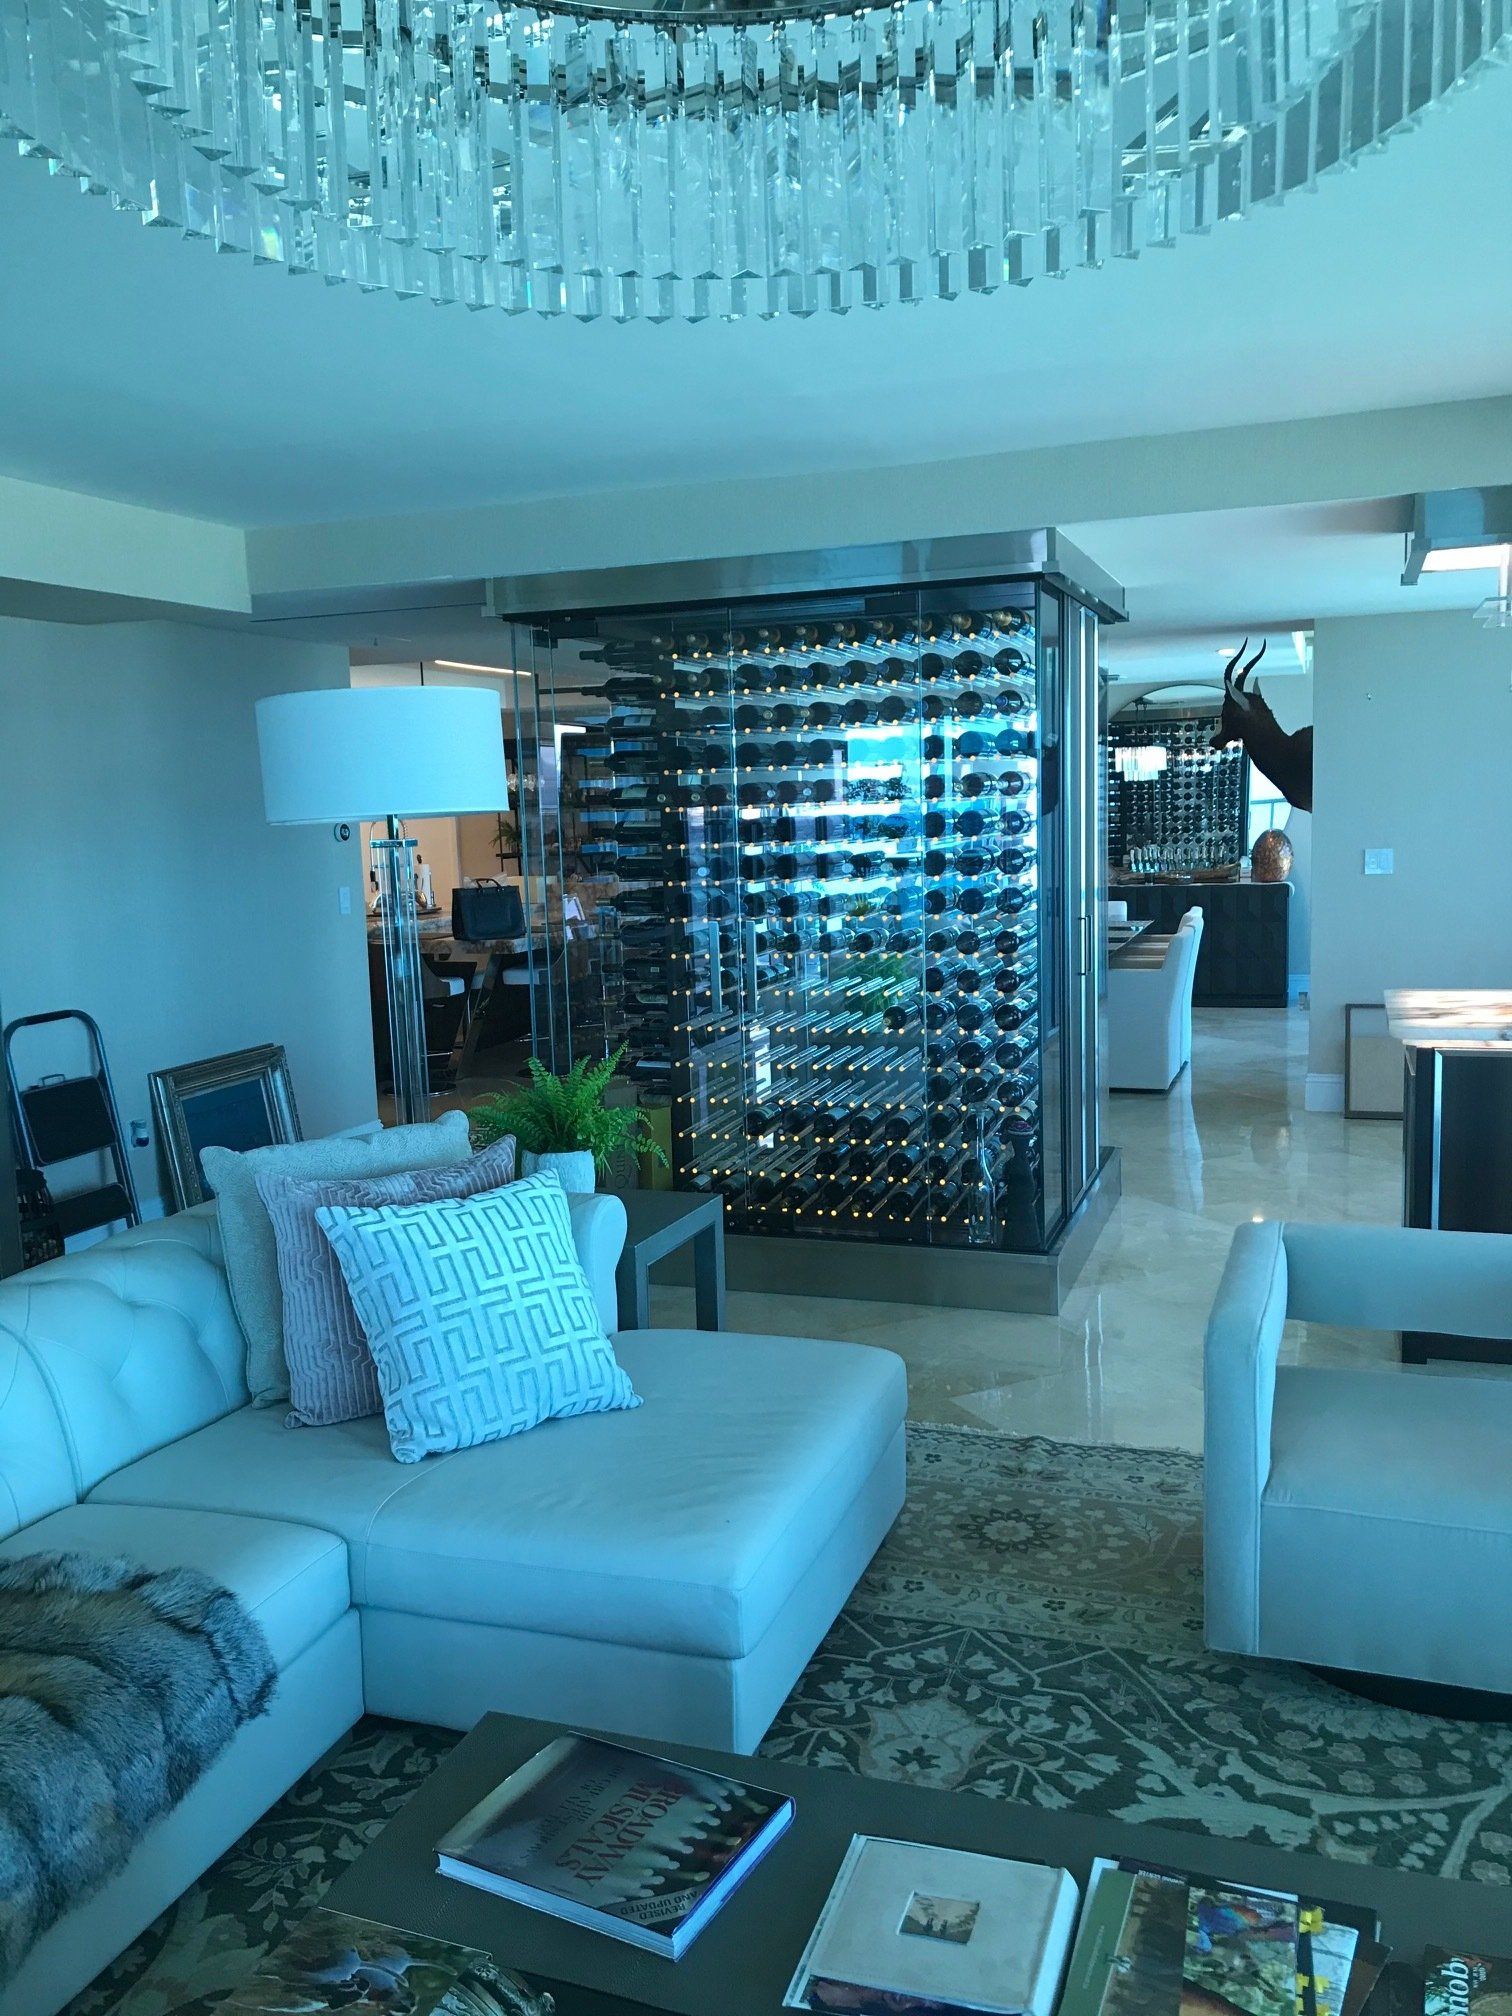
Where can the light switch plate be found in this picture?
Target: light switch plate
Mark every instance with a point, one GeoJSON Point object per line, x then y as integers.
{"type": "Point", "coordinates": [1380, 861]}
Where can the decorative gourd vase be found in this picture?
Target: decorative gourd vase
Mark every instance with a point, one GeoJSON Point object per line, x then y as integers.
{"type": "Point", "coordinates": [1271, 857]}
{"type": "Point", "coordinates": [572, 1167]}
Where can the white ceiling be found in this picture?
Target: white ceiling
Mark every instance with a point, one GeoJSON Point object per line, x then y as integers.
{"type": "Point", "coordinates": [140, 366]}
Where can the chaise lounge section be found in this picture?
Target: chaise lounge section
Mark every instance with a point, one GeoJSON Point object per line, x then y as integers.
{"type": "Point", "coordinates": [665, 1571]}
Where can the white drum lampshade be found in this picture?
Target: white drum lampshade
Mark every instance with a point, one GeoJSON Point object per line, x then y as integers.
{"type": "Point", "coordinates": [386, 753]}
{"type": "Point", "coordinates": [375, 752]}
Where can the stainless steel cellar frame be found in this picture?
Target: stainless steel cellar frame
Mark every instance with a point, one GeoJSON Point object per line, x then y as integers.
{"type": "Point", "coordinates": [837, 818]}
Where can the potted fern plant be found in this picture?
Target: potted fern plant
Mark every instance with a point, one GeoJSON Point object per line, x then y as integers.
{"type": "Point", "coordinates": [564, 1124]}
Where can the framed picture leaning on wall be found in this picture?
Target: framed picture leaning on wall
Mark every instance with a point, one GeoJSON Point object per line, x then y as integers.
{"type": "Point", "coordinates": [242, 1100]}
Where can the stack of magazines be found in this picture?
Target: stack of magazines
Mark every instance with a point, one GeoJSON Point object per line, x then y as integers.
{"type": "Point", "coordinates": [616, 1840]}
{"type": "Point", "coordinates": [1158, 1942]}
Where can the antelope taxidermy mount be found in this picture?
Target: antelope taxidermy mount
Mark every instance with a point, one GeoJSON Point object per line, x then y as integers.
{"type": "Point", "coordinates": [1287, 760]}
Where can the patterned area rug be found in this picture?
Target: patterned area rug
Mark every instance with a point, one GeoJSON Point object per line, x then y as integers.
{"type": "Point", "coordinates": [1032, 1630]}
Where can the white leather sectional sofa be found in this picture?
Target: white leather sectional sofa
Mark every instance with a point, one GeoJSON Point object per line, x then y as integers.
{"type": "Point", "coordinates": [665, 1571]}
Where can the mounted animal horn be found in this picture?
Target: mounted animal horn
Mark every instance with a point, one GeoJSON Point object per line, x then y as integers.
{"type": "Point", "coordinates": [1249, 668]}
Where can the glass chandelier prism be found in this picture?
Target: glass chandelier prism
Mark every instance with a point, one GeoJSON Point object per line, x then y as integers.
{"type": "Point", "coordinates": [690, 159]}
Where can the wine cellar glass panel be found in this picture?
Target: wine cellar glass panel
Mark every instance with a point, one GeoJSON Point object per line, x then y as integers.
{"type": "Point", "coordinates": [813, 830]}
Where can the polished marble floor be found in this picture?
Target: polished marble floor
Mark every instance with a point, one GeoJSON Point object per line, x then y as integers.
{"type": "Point", "coordinates": [1123, 1360]}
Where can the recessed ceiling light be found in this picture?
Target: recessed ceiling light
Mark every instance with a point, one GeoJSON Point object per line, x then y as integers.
{"type": "Point", "coordinates": [1465, 559]}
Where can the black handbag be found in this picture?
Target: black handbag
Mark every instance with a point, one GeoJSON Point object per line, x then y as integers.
{"type": "Point", "coordinates": [487, 909]}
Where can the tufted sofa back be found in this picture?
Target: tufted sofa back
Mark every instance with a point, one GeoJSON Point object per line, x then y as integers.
{"type": "Point", "coordinates": [108, 1354]}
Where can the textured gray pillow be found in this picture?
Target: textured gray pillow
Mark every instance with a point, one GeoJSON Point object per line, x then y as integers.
{"type": "Point", "coordinates": [247, 1237]}
{"type": "Point", "coordinates": [331, 1372]}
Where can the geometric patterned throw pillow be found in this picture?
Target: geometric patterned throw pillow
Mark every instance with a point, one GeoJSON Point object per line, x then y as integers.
{"type": "Point", "coordinates": [331, 1372]}
{"type": "Point", "coordinates": [478, 1314]}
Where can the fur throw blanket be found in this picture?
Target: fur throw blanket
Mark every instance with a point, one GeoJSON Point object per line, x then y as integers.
{"type": "Point", "coordinates": [118, 1688]}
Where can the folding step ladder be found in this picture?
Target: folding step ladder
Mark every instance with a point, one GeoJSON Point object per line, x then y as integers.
{"type": "Point", "coordinates": [59, 1119]}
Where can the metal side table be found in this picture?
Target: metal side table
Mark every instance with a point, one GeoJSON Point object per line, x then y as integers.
{"type": "Point", "coordinates": [661, 1222]}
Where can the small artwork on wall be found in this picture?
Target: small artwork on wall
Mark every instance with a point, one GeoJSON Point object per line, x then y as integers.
{"type": "Point", "coordinates": [244, 1099]}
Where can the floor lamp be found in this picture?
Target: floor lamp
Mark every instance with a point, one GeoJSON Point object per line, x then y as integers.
{"type": "Point", "coordinates": [386, 753]}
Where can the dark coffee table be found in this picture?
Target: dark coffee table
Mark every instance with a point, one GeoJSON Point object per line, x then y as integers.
{"type": "Point", "coordinates": [742, 1963]}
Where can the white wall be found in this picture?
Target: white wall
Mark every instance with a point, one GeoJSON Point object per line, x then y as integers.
{"type": "Point", "coordinates": [145, 885]}
{"type": "Point", "coordinates": [1414, 752]}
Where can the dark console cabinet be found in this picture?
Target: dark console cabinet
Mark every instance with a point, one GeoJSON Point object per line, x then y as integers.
{"type": "Point", "coordinates": [1243, 960]}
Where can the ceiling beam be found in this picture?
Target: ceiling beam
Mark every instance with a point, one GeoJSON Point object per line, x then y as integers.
{"type": "Point", "coordinates": [1358, 455]}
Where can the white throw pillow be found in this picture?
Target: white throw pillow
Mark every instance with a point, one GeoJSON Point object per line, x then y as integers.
{"type": "Point", "coordinates": [478, 1314]}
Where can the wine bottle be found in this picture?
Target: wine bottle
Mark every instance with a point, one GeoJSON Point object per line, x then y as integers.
{"type": "Point", "coordinates": [1012, 783]}
{"type": "Point", "coordinates": [936, 1016]}
{"type": "Point", "coordinates": [969, 1017]}
{"type": "Point", "coordinates": [821, 714]}
{"type": "Point", "coordinates": [932, 748]}
{"type": "Point", "coordinates": [760, 1121]}
{"type": "Point", "coordinates": [1010, 941]}
{"type": "Point", "coordinates": [971, 744]}
{"type": "Point", "coordinates": [968, 980]}
{"type": "Point", "coordinates": [1011, 900]}
{"type": "Point", "coordinates": [893, 710]}
{"type": "Point", "coordinates": [637, 692]}
{"type": "Point", "coordinates": [856, 713]}
{"type": "Point", "coordinates": [1013, 822]}
{"type": "Point", "coordinates": [1014, 861]}
{"type": "Point", "coordinates": [895, 1018]}
{"type": "Point", "coordinates": [1009, 1015]}
{"type": "Point", "coordinates": [1011, 700]}
{"type": "Point", "coordinates": [1011, 742]}
{"type": "Point", "coordinates": [972, 900]}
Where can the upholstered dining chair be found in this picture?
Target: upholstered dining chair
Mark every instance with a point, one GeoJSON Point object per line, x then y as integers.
{"type": "Point", "coordinates": [1150, 1012]}
{"type": "Point", "coordinates": [1361, 1519]}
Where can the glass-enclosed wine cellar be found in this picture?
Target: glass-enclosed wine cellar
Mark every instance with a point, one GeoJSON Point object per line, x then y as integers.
{"type": "Point", "coordinates": [838, 859]}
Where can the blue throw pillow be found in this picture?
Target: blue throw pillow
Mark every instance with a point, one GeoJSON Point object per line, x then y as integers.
{"type": "Point", "coordinates": [478, 1315]}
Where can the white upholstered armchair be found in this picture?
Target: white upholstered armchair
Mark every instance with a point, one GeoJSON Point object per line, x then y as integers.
{"type": "Point", "coordinates": [1360, 1519]}
{"type": "Point", "coordinates": [1150, 1014]}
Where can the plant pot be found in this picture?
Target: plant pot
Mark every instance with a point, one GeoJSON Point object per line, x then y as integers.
{"type": "Point", "coordinates": [572, 1167]}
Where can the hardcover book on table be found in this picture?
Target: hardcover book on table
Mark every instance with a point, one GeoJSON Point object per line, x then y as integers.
{"type": "Point", "coordinates": [914, 1930]}
{"type": "Point", "coordinates": [616, 1840]}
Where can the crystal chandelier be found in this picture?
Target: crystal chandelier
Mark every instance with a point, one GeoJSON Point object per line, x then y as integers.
{"type": "Point", "coordinates": [689, 158]}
